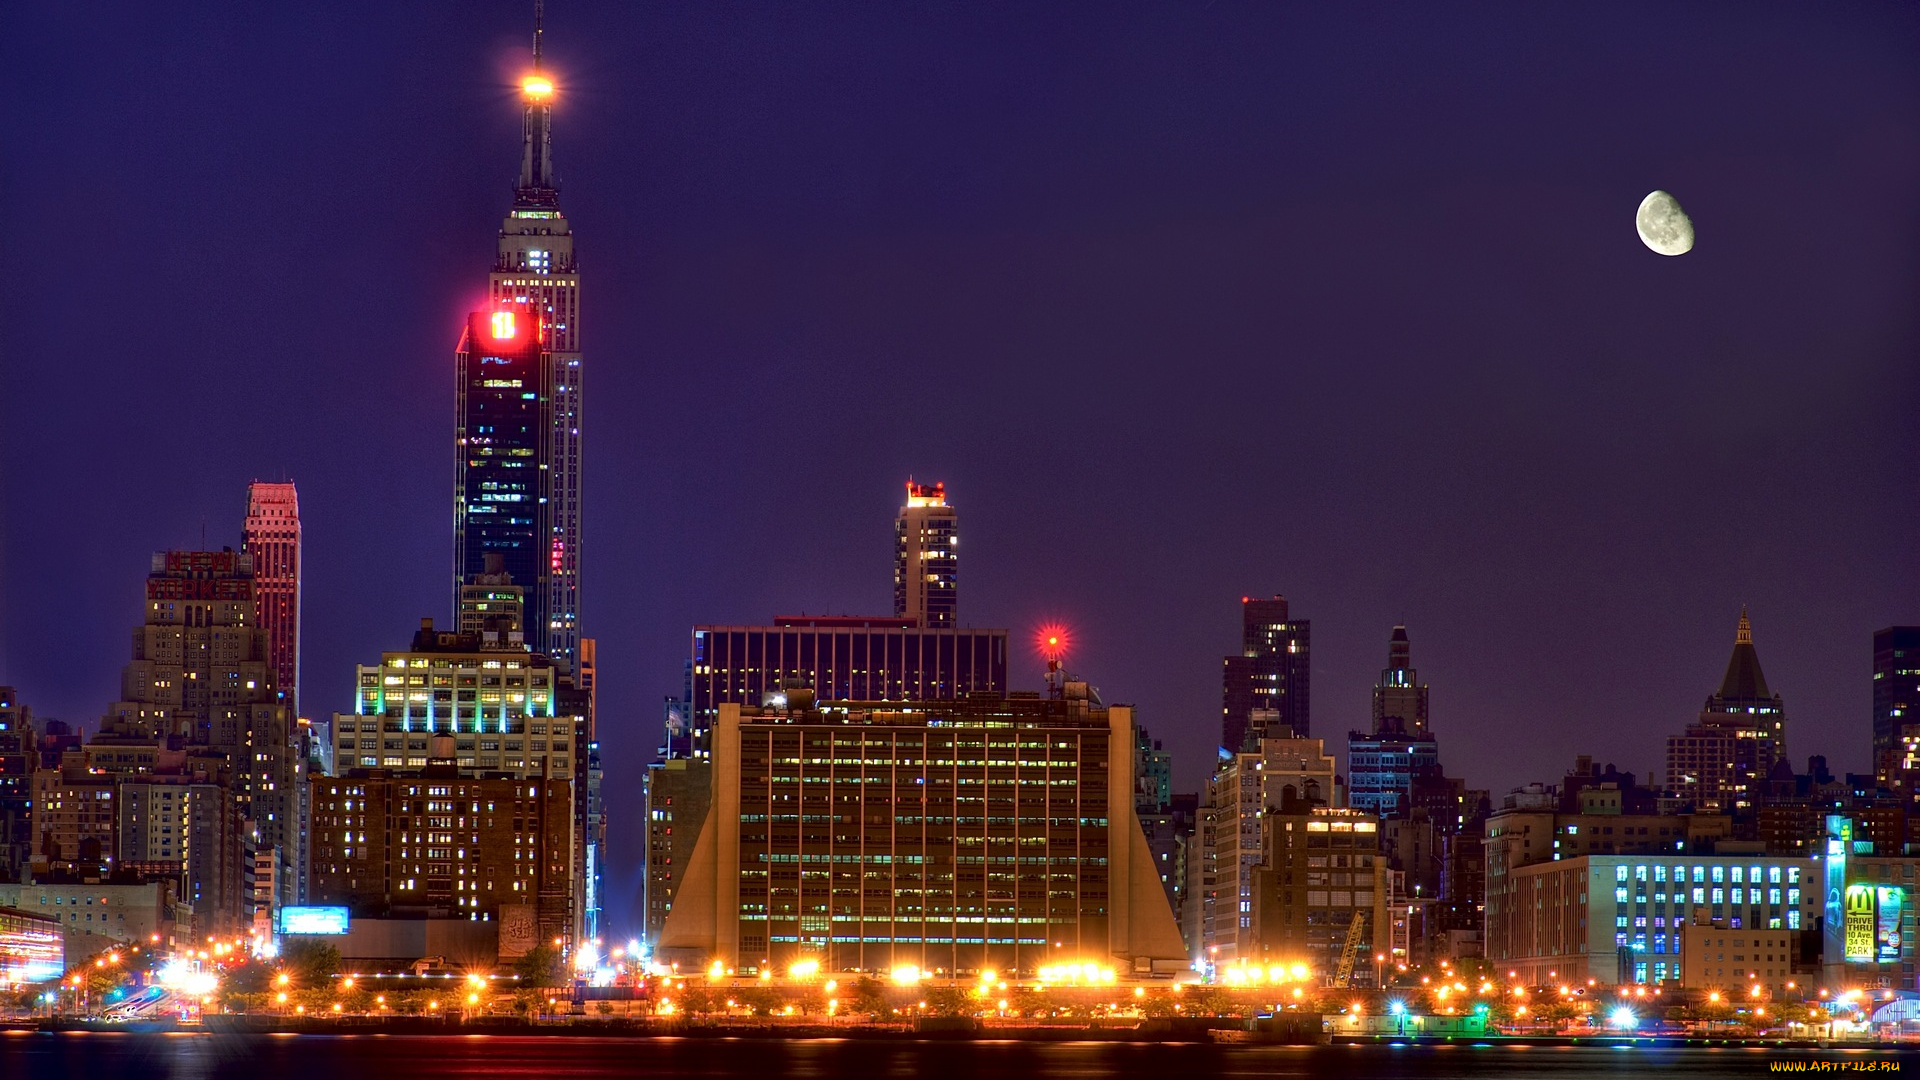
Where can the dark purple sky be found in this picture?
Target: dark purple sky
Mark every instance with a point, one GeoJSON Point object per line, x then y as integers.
{"type": "Point", "coordinates": [1183, 301]}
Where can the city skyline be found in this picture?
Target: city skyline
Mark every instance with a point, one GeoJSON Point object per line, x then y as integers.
{"type": "Point", "coordinates": [1573, 603]}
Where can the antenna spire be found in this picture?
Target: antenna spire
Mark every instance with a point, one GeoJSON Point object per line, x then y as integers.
{"type": "Point", "coordinates": [539, 17]}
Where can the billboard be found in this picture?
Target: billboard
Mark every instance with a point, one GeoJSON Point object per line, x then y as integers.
{"type": "Point", "coordinates": [313, 920]}
{"type": "Point", "coordinates": [1860, 921]}
{"type": "Point", "coordinates": [1888, 900]}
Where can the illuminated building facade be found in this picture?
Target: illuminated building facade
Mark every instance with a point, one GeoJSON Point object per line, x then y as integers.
{"type": "Point", "coordinates": [926, 568]}
{"type": "Point", "coordinates": [1400, 693]}
{"type": "Point", "coordinates": [506, 712]}
{"type": "Point", "coordinates": [1722, 760]}
{"type": "Point", "coordinates": [272, 538]}
{"type": "Point", "coordinates": [32, 948]}
{"type": "Point", "coordinates": [1246, 788]}
{"type": "Point", "coordinates": [1622, 918]}
{"type": "Point", "coordinates": [1270, 676]}
{"type": "Point", "coordinates": [534, 276]}
{"type": "Point", "coordinates": [500, 703]}
{"type": "Point", "coordinates": [839, 658]}
{"type": "Point", "coordinates": [992, 832]}
{"type": "Point", "coordinates": [441, 842]}
{"type": "Point", "coordinates": [500, 479]}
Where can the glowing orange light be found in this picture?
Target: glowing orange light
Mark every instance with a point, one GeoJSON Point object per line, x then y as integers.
{"type": "Point", "coordinates": [537, 86]}
{"type": "Point", "coordinates": [503, 326]}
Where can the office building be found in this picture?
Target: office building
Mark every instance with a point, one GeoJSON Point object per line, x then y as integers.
{"type": "Point", "coordinates": [271, 537]}
{"type": "Point", "coordinates": [1896, 708]}
{"type": "Point", "coordinates": [679, 791]}
{"type": "Point", "coordinates": [991, 832]}
{"type": "Point", "coordinates": [1723, 758]}
{"type": "Point", "coordinates": [1622, 918]}
{"type": "Point", "coordinates": [926, 563]}
{"type": "Point", "coordinates": [517, 493]}
{"type": "Point", "coordinates": [839, 658]}
{"type": "Point", "coordinates": [1738, 961]}
{"type": "Point", "coordinates": [1270, 675]}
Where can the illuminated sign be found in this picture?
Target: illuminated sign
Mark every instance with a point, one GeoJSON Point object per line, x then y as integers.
{"type": "Point", "coordinates": [503, 328]}
{"type": "Point", "coordinates": [313, 920]}
{"type": "Point", "coordinates": [1888, 900]}
{"type": "Point", "coordinates": [1859, 925]}
{"type": "Point", "coordinates": [1839, 840]}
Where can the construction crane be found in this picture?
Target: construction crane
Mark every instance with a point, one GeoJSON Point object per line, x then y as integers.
{"type": "Point", "coordinates": [1350, 952]}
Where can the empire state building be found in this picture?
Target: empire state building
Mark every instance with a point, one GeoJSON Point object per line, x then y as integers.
{"type": "Point", "coordinates": [517, 486]}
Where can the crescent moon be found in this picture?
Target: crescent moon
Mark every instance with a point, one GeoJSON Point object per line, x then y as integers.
{"type": "Point", "coordinates": [1663, 226]}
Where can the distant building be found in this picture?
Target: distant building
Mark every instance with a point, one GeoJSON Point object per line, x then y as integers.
{"type": "Point", "coordinates": [439, 841]}
{"type": "Point", "coordinates": [18, 758]}
{"type": "Point", "coordinates": [992, 832]}
{"type": "Point", "coordinates": [520, 402]}
{"type": "Point", "coordinates": [839, 658]}
{"type": "Point", "coordinates": [1280, 770]}
{"type": "Point", "coordinates": [95, 916]}
{"type": "Point", "coordinates": [1321, 886]}
{"type": "Point", "coordinates": [1723, 758]}
{"type": "Point", "coordinates": [1623, 919]}
{"type": "Point", "coordinates": [1896, 708]}
{"type": "Point", "coordinates": [1400, 693]}
{"type": "Point", "coordinates": [272, 537]}
{"type": "Point", "coordinates": [1269, 675]}
{"type": "Point", "coordinates": [926, 567]}
{"type": "Point", "coordinates": [506, 711]}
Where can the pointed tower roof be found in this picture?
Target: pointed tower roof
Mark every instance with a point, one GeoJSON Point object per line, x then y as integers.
{"type": "Point", "coordinates": [1744, 681]}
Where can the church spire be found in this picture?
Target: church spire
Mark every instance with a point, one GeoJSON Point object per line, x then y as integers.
{"type": "Point", "coordinates": [537, 187]}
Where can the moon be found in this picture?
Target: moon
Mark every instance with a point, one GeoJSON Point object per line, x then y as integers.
{"type": "Point", "coordinates": [1663, 226]}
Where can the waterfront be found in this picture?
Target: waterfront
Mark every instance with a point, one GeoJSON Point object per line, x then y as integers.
{"type": "Point", "coordinates": [199, 1056]}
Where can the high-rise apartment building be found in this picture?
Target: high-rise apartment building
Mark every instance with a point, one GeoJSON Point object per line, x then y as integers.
{"type": "Point", "coordinates": [201, 699]}
{"type": "Point", "coordinates": [1724, 757]}
{"type": "Point", "coordinates": [272, 537]}
{"type": "Point", "coordinates": [1400, 692]}
{"type": "Point", "coordinates": [1245, 788]}
{"type": "Point", "coordinates": [1269, 675]}
{"type": "Point", "coordinates": [522, 501]}
{"type": "Point", "coordinates": [1320, 894]}
{"type": "Point", "coordinates": [1896, 707]}
{"type": "Point", "coordinates": [926, 565]}
{"type": "Point", "coordinates": [996, 832]}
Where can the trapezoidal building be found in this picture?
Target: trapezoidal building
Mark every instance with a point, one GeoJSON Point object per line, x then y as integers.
{"type": "Point", "coordinates": [956, 836]}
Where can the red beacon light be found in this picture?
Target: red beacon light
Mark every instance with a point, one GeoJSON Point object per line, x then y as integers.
{"type": "Point", "coordinates": [505, 326]}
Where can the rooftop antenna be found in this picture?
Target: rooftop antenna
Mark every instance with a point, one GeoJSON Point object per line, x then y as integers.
{"type": "Point", "coordinates": [539, 16]}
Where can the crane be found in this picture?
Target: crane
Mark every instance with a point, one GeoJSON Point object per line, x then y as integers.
{"type": "Point", "coordinates": [1351, 951]}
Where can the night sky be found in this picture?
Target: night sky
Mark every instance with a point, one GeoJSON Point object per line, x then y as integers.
{"type": "Point", "coordinates": [1183, 300]}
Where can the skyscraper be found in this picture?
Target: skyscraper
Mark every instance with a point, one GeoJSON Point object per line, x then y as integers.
{"type": "Point", "coordinates": [272, 537]}
{"type": "Point", "coordinates": [1269, 674]}
{"type": "Point", "coordinates": [535, 286]}
{"type": "Point", "coordinates": [1896, 705]}
{"type": "Point", "coordinates": [1400, 692]}
{"type": "Point", "coordinates": [926, 565]}
{"type": "Point", "coordinates": [1724, 755]}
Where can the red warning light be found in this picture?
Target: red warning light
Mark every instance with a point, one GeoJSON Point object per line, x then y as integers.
{"type": "Point", "coordinates": [503, 326]}
{"type": "Point", "coordinates": [1052, 640]}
